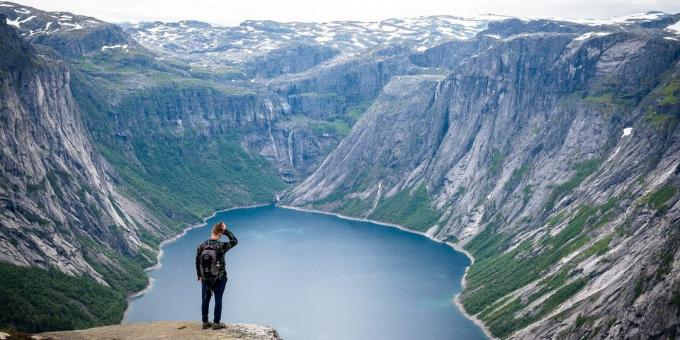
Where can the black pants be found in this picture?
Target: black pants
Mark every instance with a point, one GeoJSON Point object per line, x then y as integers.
{"type": "Point", "coordinates": [209, 287]}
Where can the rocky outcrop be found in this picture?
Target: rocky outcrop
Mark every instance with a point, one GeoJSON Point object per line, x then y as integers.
{"type": "Point", "coordinates": [69, 34]}
{"type": "Point", "coordinates": [89, 41]}
{"type": "Point", "coordinates": [166, 330]}
{"type": "Point", "coordinates": [343, 81]}
{"type": "Point", "coordinates": [291, 58]}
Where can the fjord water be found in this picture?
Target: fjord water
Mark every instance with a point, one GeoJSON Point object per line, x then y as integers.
{"type": "Point", "coordinates": [316, 276]}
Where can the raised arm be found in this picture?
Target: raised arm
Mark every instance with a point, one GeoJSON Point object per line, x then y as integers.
{"type": "Point", "coordinates": [232, 240]}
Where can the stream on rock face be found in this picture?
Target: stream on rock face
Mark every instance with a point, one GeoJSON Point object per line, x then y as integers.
{"type": "Point", "coordinates": [317, 276]}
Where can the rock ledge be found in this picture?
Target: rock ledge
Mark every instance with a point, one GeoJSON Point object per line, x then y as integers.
{"type": "Point", "coordinates": [166, 330]}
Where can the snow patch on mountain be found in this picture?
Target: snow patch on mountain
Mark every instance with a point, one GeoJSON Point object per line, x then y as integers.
{"type": "Point", "coordinates": [626, 19]}
{"type": "Point", "coordinates": [627, 131]}
{"type": "Point", "coordinates": [210, 45]}
{"type": "Point", "coordinates": [589, 35]}
{"type": "Point", "coordinates": [675, 28]}
{"type": "Point", "coordinates": [30, 21]}
{"type": "Point", "coordinates": [115, 47]}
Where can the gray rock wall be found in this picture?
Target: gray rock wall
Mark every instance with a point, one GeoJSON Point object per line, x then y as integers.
{"type": "Point", "coordinates": [523, 133]}
{"type": "Point", "coordinates": [55, 191]}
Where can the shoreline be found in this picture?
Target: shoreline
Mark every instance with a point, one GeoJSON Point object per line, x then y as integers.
{"type": "Point", "coordinates": [134, 295]}
{"type": "Point", "coordinates": [456, 300]}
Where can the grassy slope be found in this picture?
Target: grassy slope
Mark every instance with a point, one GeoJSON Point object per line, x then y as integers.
{"type": "Point", "coordinates": [186, 179]}
{"type": "Point", "coordinates": [411, 209]}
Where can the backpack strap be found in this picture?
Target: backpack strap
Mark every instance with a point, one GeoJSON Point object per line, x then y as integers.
{"type": "Point", "coordinates": [213, 281]}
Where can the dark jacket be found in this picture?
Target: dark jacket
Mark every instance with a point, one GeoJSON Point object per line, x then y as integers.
{"type": "Point", "coordinates": [220, 248]}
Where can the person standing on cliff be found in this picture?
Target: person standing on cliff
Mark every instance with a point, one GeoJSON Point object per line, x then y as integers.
{"type": "Point", "coordinates": [211, 272]}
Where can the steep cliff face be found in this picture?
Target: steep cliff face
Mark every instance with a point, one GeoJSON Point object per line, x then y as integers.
{"type": "Point", "coordinates": [337, 85]}
{"type": "Point", "coordinates": [169, 105]}
{"type": "Point", "coordinates": [291, 58]}
{"type": "Point", "coordinates": [54, 184]}
{"type": "Point", "coordinates": [180, 148]}
{"type": "Point", "coordinates": [60, 209]}
{"type": "Point", "coordinates": [324, 74]}
{"type": "Point", "coordinates": [551, 154]}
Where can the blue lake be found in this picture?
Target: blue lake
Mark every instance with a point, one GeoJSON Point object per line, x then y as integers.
{"type": "Point", "coordinates": [316, 276]}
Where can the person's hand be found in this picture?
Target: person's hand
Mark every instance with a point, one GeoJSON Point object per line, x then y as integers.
{"type": "Point", "coordinates": [199, 280]}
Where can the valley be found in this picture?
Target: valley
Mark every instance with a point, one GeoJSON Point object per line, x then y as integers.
{"type": "Point", "coordinates": [548, 149]}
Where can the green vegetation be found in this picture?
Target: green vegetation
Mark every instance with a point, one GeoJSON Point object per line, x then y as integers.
{"type": "Point", "coordinates": [553, 221]}
{"type": "Point", "coordinates": [500, 276]}
{"type": "Point", "coordinates": [187, 178]}
{"type": "Point", "coordinates": [355, 112]}
{"type": "Point", "coordinates": [516, 178]}
{"type": "Point", "coordinates": [675, 298]}
{"type": "Point", "coordinates": [608, 102]}
{"type": "Point", "coordinates": [496, 162]}
{"type": "Point", "coordinates": [666, 257]}
{"type": "Point", "coordinates": [334, 125]}
{"type": "Point", "coordinates": [498, 272]}
{"type": "Point", "coordinates": [128, 276]}
{"type": "Point", "coordinates": [598, 248]}
{"type": "Point", "coordinates": [334, 197]}
{"type": "Point", "coordinates": [562, 295]}
{"type": "Point", "coordinates": [582, 171]}
{"type": "Point", "coordinates": [411, 209]}
{"type": "Point", "coordinates": [657, 199]}
{"type": "Point", "coordinates": [354, 206]}
{"type": "Point", "coordinates": [120, 69]}
{"type": "Point", "coordinates": [639, 286]}
{"type": "Point", "coordinates": [130, 103]}
{"type": "Point", "coordinates": [660, 113]}
{"type": "Point", "coordinates": [179, 174]}
{"type": "Point", "coordinates": [670, 93]}
{"type": "Point", "coordinates": [220, 73]}
{"type": "Point", "coordinates": [489, 241]}
{"type": "Point", "coordinates": [35, 300]}
{"type": "Point", "coordinates": [502, 323]}
{"type": "Point", "coordinates": [660, 120]}
{"type": "Point", "coordinates": [603, 99]}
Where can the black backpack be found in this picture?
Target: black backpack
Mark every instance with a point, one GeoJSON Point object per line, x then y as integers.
{"type": "Point", "coordinates": [210, 266]}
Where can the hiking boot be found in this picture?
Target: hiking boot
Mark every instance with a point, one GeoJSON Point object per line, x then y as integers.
{"type": "Point", "coordinates": [218, 325]}
{"type": "Point", "coordinates": [207, 325]}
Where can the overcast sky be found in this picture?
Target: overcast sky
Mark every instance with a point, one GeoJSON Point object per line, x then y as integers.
{"type": "Point", "coordinates": [232, 12]}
